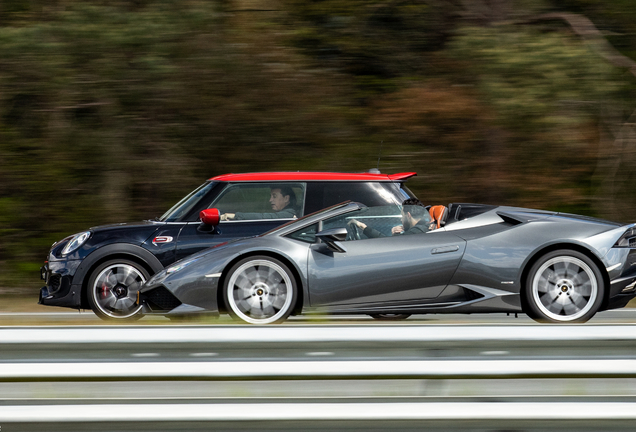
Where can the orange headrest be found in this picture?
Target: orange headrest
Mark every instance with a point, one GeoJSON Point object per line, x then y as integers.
{"type": "Point", "coordinates": [437, 214]}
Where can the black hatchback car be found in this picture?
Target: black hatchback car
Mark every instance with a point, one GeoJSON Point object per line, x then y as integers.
{"type": "Point", "coordinates": [104, 267]}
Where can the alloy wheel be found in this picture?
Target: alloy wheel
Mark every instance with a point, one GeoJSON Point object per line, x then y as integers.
{"type": "Point", "coordinates": [564, 288]}
{"type": "Point", "coordinates": [114, 291]}
{"type": "Point", "coordinates": [260, 291]}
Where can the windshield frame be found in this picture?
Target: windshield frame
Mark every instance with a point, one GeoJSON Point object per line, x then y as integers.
{"type": "Point", "coordinates": [406, 191]}
{"type": "Point", "coordinates": [182, 209]}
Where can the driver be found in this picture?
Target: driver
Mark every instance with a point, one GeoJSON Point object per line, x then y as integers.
{"type": "Point", "coordinates": [283, 202]}
{"type": "Point", "coordinates": [415, 220]}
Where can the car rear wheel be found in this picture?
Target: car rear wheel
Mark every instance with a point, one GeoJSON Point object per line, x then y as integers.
{"type": "Point", "coordinates": [564, 286]}
{"type": "Point", "coordinates": [112, 289]}
{"type": "Point", "coordinates": [390, 317]}
{"type": "Point", "coordinates": [260, 290]}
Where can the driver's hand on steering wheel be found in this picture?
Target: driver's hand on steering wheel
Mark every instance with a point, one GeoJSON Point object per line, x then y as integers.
{"type": "Point", "coordinates": [397, 230]}
{"type": "Point", "coordinates": [357, 223]}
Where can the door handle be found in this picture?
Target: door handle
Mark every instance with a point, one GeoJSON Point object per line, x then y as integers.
{"type": "Point", "coordinates": [445, 249]}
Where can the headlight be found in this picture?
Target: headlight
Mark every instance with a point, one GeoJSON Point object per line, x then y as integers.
{"type": "Point", "coordinates": [76, 242]}
{"type": "Point", "coordinates": [627, 240]}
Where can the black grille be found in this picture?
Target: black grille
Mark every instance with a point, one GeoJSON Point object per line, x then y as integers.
{"type": "Point", "coordinates": [54, 283]}
{"type": "Point", "coordinates": [161, 299]}
{"type": "Point", "coordinates": [471, 295]}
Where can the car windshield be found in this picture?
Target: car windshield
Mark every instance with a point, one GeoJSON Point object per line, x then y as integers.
{"type": "Point", "coordinates": [302, 219]}
{"type": "Point", "coordinates": [183, 207]}
{"type": "Point", "coordinates": [379, 218]}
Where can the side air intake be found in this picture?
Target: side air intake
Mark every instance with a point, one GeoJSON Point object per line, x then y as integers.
{"type": "Point", "coordinates": [510, 219]}
{"type": "Point", "coordinates": [161, 299]}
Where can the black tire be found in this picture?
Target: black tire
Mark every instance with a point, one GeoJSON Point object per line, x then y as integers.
{"type": "Point", "coordinates": [260, 290]}
{"type": "Point", "coordinates": [564, 286]}
{"type": "Point", "coordinates": [389, 317]}
{"type": "Point", "coordinates": [112, 289]}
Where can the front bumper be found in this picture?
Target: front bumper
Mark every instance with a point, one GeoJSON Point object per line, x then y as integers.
{"type": "Point", "coordinates": [180, 297]}
{"type": "Point", "coordinates": [621, 269]}
{"type": "Point", "coordinates": [622, 290]}
{"type": "Point", "coordinates": [59, 289]}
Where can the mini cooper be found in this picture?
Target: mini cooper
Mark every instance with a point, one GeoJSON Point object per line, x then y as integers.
{"type": "Point", "coordinates": [103, 268]}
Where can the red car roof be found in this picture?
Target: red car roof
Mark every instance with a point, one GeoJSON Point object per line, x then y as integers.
{"type": "Point", "coordinates": [311, 176]}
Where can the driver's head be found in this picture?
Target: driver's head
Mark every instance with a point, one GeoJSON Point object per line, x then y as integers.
{"type": "Point", "coordinates": [412, 212]}
{"type": "Point", "coordinates": [282, 197]}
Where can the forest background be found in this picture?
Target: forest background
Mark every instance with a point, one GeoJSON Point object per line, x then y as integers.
{"type": "Point", "coordinates": [110, 111]}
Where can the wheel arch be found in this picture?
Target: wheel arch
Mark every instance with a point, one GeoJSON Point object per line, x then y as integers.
{"type": "Point", "coordinates": [298, 307]}
{"type": "Point", "coordinates": [129, 252]}
{"type": "Point", "coordinates": [556, 246]}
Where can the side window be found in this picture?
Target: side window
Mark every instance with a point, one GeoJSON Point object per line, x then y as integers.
{"type": "Point", "coordinates": [306, 234]}
{"type": "Point", "coordinates": [251, 201]}
{"type": "Point", "coordinates": [324, 194]}
{"type": "Point", "coordinates": [378, 221]}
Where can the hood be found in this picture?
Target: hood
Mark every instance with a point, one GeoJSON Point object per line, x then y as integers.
{"type": "Point", "coordinates": [133, 232]}
{"type": "Point", "coordinates": [127, 225]}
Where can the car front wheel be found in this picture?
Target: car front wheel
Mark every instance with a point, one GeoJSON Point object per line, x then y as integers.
{"type": "Point", "coordinates": [112, 289]}
{"type": "Point", "coordinates": [260, 290]}
{"type": "Point", "coordinates": [564, 286]}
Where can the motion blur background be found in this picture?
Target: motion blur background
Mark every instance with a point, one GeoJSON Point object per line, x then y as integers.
{"type": "Point", "coordinates": [110, 111]}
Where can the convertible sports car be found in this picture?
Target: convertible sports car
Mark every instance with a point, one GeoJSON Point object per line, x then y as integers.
{"type": "Point", "coordinates": [473, 258]}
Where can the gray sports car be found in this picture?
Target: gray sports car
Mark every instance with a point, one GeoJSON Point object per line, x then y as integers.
{"type": "Point", "coordinates": [393, 261]}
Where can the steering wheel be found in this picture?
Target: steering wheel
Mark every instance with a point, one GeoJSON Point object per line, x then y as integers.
{"type": "Point", "coordinates": [353, 232]}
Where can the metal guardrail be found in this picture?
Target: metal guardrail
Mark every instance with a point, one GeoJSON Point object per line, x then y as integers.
{"type": "Point", "coordinates": [168, 357]}
{"type": "Point", "coordinates": [392, 411]}
{"type": "Point", "coordinates": [368, 362]}
{"type": "Point", "coordinates": [312, 370]}
{"type": "Point", "coordinates": [292, 334]}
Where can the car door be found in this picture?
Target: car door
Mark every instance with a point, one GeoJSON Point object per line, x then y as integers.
{"type": "Point", "coordinates": [402, 269]}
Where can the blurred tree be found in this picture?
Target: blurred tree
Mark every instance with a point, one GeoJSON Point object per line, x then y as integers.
{"type": "Point", "coordinates": [616, 20]}
{"type": "Point", "coordinates": [617, 138]}
{"type": "Point", "coordinates": [549, 91]}
{"type": "Point", "coordinates": [112, 110]}
{"type": "Point", "coordinates": [441, 128]}
{"type": "Point", "coordinates": [374, 41]}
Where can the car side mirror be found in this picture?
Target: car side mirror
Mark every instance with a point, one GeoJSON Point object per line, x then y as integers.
{"type": "Point", "coordinates": [332, 236]}
{"type": "Point", "coordinates": [210, 216]}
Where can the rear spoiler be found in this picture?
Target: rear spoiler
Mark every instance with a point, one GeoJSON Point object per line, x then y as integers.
{"type": "Point", "coordinates": [401, 176]}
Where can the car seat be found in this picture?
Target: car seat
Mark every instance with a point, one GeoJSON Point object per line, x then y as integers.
{"type": "Point", "coordinates": [438, 213]}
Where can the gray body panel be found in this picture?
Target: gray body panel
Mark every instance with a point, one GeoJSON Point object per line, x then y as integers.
{"type": "Point", "coordinates": [394, 270]}
{"type": "Point", "coordinates": [471, 265]}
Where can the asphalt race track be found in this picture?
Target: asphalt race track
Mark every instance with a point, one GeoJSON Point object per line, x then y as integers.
{"type": "Point", "coordinates": [430, 372]}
